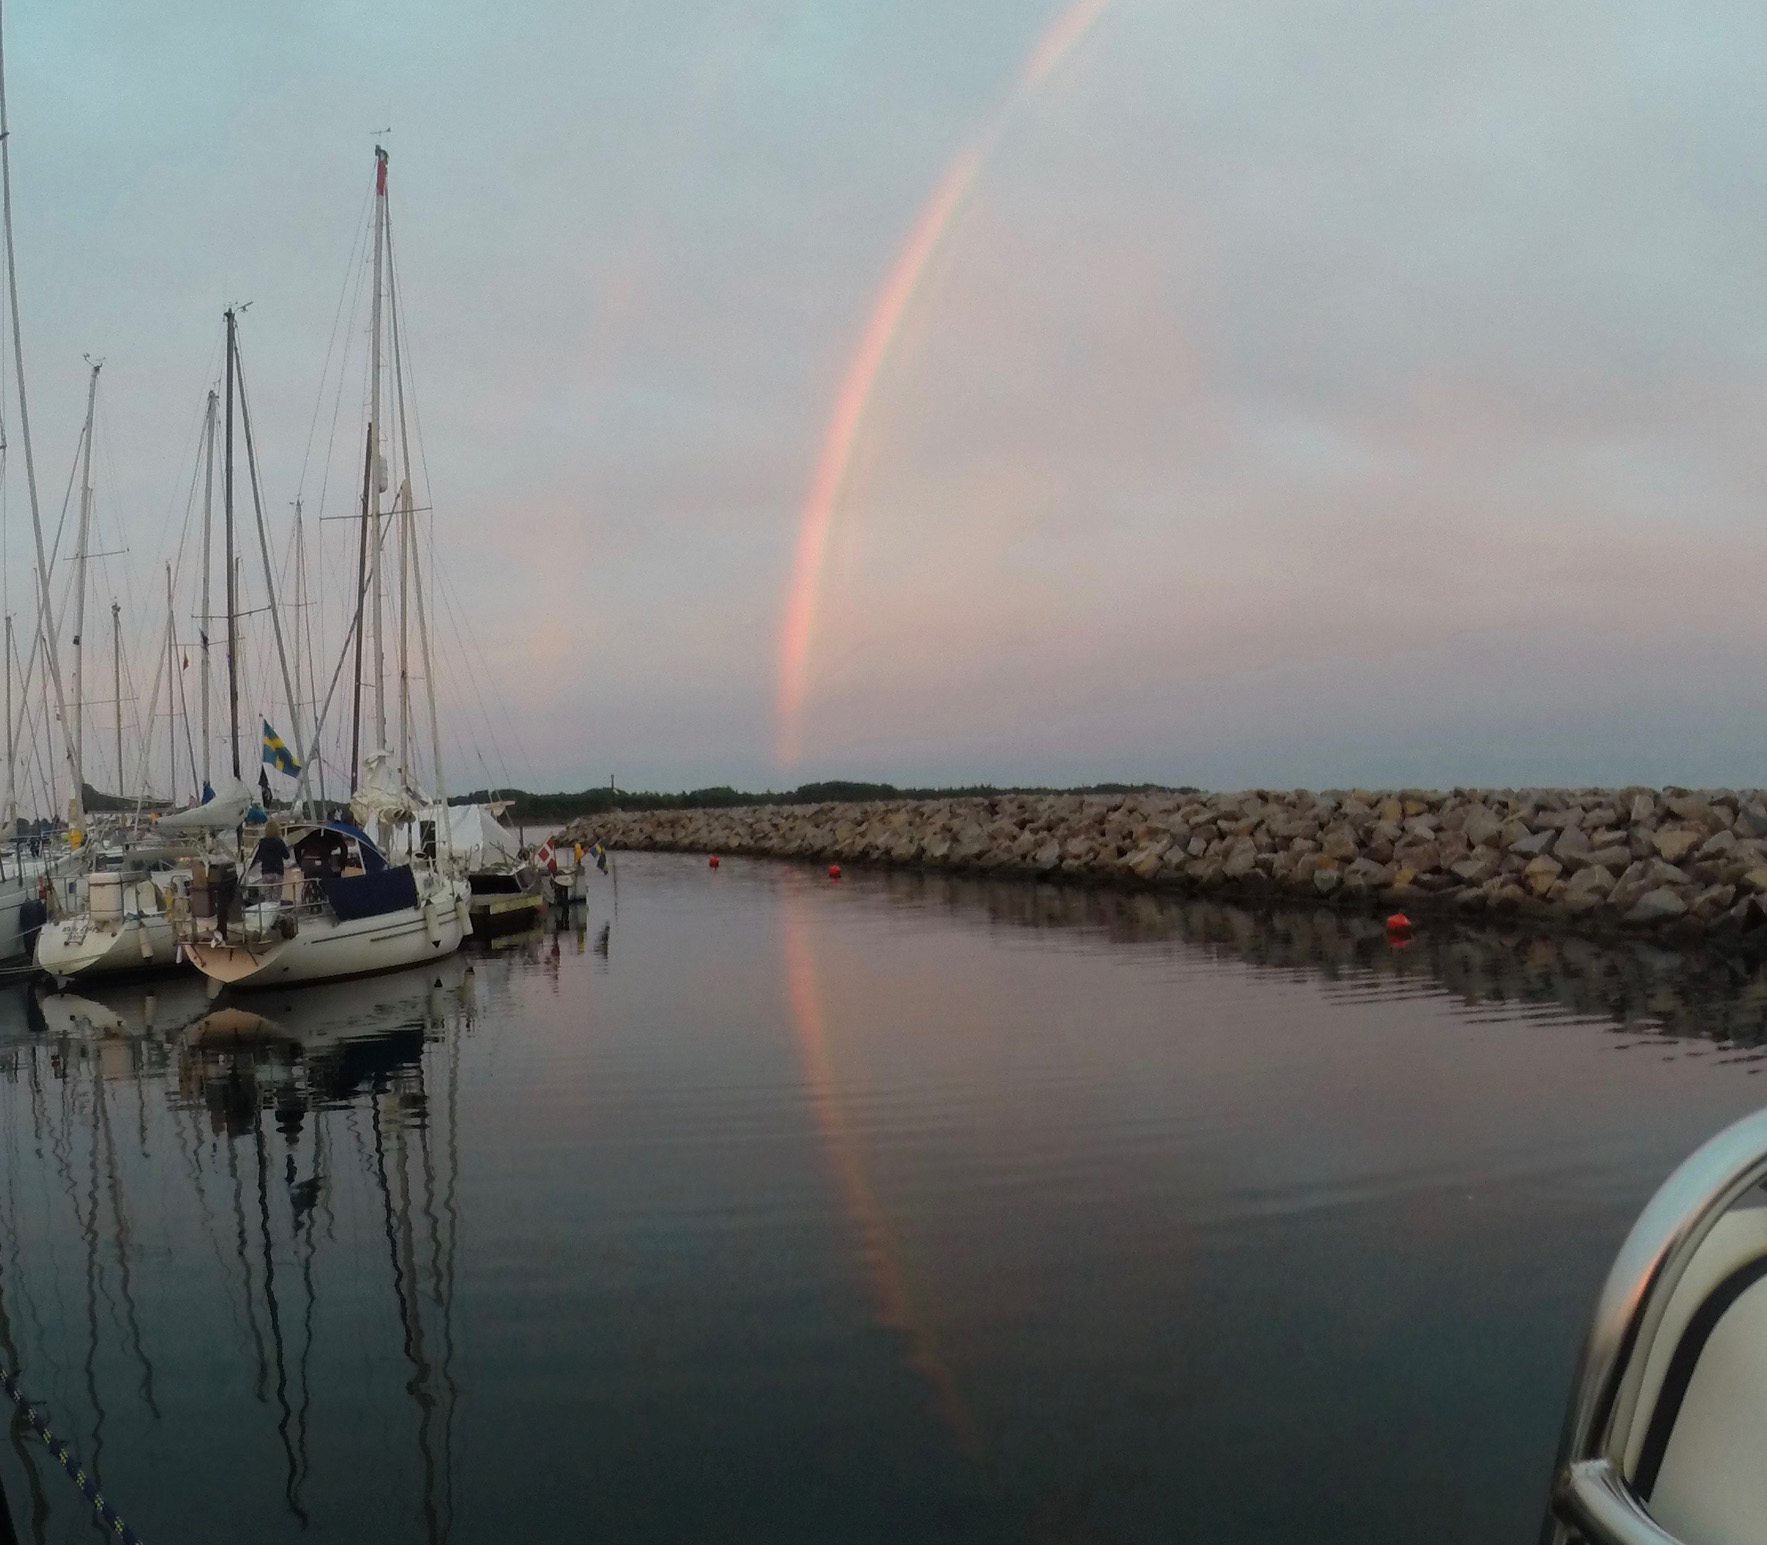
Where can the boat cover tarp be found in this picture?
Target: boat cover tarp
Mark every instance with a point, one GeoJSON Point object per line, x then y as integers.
{"type": "Point", "coordinates": [473, 833]}
{"type": "Point", "coordinates": [227, 809]}
{"type": "Point", "coordinates": [371, 895]}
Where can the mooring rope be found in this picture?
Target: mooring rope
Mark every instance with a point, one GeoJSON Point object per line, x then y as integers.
{"type": "Point", "coordinates": [76, 1471]}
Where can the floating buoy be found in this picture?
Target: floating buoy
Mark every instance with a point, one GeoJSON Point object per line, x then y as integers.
{"type": "Point", "coordinates": [834, 871]}
{"type": "Point", "coordinates": [714, 863]}
{"type": "Point", "coordinates": [1399, 925]}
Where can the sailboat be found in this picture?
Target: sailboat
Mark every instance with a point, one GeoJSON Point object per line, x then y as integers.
{"type": "Point", "coordinates": [113, 910]}
{"type": "Point", "coordinates": [24, 881]}
{"type": "Point", "coordinates": [346, 909]}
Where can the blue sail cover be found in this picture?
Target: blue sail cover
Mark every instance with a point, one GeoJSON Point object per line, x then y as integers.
{"type": "Point", "coordinates": [371, 895]}
{"type": "Point", "coordinates": [373, 860]}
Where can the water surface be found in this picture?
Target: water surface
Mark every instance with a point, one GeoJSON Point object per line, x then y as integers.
{"type": "Point", "coordinates": [756, 1207]}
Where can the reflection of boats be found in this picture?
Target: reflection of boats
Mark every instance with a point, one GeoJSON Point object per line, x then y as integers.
{"type": "Point", "coordinates": [159, 1007]}
{"type": "Point", "coordinates": [312, 1017]}
{"type": "Point", "coordinates": [1661, 1441]}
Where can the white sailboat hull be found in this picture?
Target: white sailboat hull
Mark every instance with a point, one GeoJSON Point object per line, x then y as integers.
{"type": "Point", "coordinates": [83, 946]}
{"type": "Point", "coordinates": [326, 949]}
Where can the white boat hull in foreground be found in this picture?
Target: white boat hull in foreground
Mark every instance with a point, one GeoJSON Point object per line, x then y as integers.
{"type": "Point", "coordinates": [326, 949]}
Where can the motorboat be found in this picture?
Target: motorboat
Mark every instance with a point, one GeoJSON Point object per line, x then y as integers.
{"type": "Point", "coordinates": [342, 911]}
{"type": "Point", "coordinates": [564, 869]}
{"type": "Point", "coordinates": [1661, 1441]}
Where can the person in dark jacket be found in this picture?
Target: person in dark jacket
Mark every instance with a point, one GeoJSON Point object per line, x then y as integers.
{"type": "Point", "coordinates": [276, 863]}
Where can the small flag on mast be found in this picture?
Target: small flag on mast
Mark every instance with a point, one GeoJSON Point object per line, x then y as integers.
{"type": "Point", "coordinates": [277, 755]}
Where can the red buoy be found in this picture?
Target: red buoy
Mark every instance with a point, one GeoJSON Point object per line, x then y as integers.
{"type": "Point", "coordinates": [714, 863]}
{"type": "Point", "coordinates": [1399, 924]}
{"type": "Point", "coordinates": [834, 871]}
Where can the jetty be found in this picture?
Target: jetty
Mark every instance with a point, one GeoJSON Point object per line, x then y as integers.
{"type": "Point", "coordinates": [1677, 862]}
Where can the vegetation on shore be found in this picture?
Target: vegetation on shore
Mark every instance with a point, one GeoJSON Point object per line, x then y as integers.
{"type": "Point", "coordinates": [538, 809]}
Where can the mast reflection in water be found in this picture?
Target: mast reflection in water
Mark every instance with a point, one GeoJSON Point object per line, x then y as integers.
{"type": "Point", "coordinates": [904, 1209]}
{"type": "Point", "coordinates": [228, 1243]}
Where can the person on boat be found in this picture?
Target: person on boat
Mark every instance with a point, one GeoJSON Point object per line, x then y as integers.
{"type": "Point", "coordinates": [276, 863]}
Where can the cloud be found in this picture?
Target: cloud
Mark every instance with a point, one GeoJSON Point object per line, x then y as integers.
{"type": "Point", "coordinates": [1303, 392]}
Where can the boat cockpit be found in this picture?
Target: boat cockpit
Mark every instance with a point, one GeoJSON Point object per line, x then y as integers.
{"type": "Point", "coordinates": [1661, 1441]}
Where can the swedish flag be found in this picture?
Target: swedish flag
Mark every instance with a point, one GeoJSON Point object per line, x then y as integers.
{"type": "Point", "coordinates": [278, 755]}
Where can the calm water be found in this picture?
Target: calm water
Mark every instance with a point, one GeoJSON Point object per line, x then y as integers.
{"type": "Point", "coordinates": [760, 1208]}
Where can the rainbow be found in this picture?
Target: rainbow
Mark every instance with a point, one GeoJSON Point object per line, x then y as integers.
{"type": "Point", "coordinates": [854, 396]}
{"type": "Point", "coordinates": [878, 1249]}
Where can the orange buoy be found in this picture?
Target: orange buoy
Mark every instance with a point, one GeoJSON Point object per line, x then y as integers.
{"type": "Point", "coordinates": [714, 863]}
{"type": "Point", "coordinates": [834, 871]}
{"type": "Point", "coordinates": [1399, 923]}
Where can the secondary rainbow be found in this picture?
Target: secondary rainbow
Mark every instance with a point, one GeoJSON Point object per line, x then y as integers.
{"type": "Point", "coordinates": [875, 338]}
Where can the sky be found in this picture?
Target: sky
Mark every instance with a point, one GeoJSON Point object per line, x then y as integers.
{"type": "Point", "coordinates": [1275, 393]}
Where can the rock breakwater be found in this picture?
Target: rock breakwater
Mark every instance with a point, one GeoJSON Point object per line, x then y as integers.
{"type": "Point", "coordinates": [1674, 861]}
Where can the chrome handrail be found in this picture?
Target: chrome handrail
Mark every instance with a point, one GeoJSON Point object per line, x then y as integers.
{"type": "Point", "coordinates": [1590, 1492]}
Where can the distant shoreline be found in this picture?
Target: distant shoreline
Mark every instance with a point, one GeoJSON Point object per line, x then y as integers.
{"type": "Point", "coordinates": [535, 809]}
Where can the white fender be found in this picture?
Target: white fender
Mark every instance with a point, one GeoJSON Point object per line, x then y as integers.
{"type": "Point", "coordinates": [432, 923]}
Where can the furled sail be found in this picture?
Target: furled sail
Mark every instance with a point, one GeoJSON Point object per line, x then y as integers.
{"type": "Point", "coordinates": [232, 799]}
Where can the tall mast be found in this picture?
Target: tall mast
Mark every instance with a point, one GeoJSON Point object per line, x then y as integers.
{"type": "Point", "coordinates": [207, 622]}
{"type": "Point", "coordinates": [251, 462]}
{"type": "Point", "coordinates": [79, 794]}
{"type": "Point", "coordinates": [407, 534]}
{"type": "Point", "coordinates": [403, 516]}
{"type": "Point", "coordinates": [356, 625]}
{"type": "Point", "coordinates": [435, 727]}
{"type": "Point", "coordinates": [378, 481]}
{"type": "Point", "coordinates": [172, 677]}
{"type": "Point", "coordinates": [11, 761]}
{"type": "Point", "coordinates": [300, 600]}
{"type": "Point", "coordinates": [54, 787]}
{"type": "Point", "coordinates": [232, 572]}
{"type": "Point", "coordinates": [116, 685]}
{"type": "Point", "coordinates": [45, 610]}
{"type": "Point", "coordinates": [408, 538]}
{"type": "Point", "coordinates": [303, 631]}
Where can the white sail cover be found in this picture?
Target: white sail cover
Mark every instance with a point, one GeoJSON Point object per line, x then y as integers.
{"type": "Point", "coordinates": [378, 796]}
{"type": "Point", "coordinates": [473, 833]}
{"type": "Point", "coordinates": [227, 809]}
